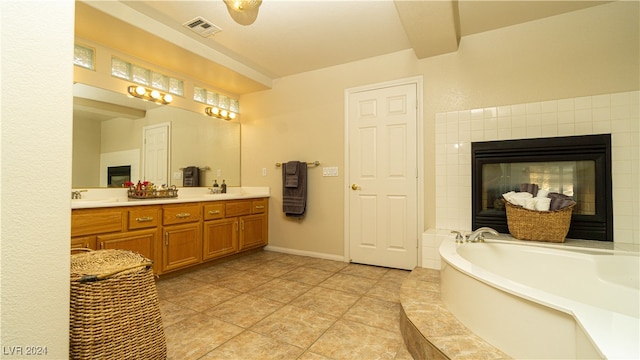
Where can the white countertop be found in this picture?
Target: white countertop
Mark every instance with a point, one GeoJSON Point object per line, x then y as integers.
{"type": "Point", "coordinates": [107, 197]}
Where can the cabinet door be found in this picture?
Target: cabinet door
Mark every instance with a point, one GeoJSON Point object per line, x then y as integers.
{"type": "Point", "coordinates": [253, 231]}
{"type": "Point", "coordinates": [142, 242]}
{"type": "Point", "coordinates": [220, 238]}
{"type": "Point", "coordinates": [182, 246]}
{"type": "Point", "coordinates": [87, 242]}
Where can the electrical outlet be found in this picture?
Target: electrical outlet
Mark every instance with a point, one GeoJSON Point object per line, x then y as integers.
{"type": "Point", "coordinates": [264, 171]}
{"type": "Point", "coordinates": [177, 175]}
{"type": "Point", "coordinates": [219, 173]}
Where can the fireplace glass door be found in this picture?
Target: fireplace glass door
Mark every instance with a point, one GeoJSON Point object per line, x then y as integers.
{"type": "Point", "coordinates": [572, 178]}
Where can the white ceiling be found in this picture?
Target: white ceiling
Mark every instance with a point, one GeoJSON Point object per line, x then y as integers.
{"type": "Point", "coordinates": [295, 36]}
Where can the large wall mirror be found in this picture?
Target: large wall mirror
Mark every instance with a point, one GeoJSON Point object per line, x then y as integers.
{"type": "Point", "coordinates": [108, 130]}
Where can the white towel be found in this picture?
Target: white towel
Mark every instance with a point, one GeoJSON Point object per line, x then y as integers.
{"type": "Point", "coordinates": [530, 203]}
{"type": "Point", "coordinates": [517, 198]}
{"type": "Point", "coordinates": [542, 204]}
{"type": "Point", "coordinates": [542, 193]}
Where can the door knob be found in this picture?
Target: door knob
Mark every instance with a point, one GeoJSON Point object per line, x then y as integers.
{"type": "Point", "coordinates": [355, 187]}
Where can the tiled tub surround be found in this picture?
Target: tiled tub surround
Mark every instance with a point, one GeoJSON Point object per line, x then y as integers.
{"type": "Point", "coordinates": [617, 114]}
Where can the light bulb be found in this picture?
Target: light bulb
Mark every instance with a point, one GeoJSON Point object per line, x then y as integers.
{"type": "Point", "coordinates": [140, 90]}
{"type": "Point", "coordinates": [155, 94]}
{"type": "Point", "coordinates": [168, 98]}
{"type": "Point", "coordinates": [232, 115]}
{"type": "Point", "coordinates": [224, 113]}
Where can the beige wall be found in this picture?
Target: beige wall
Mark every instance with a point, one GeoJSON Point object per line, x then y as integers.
{"type": "Point", "coordinates": [302, 118]}
{"type": "Point", "coordinates": [593, 51]}
{"type": "Point", "coordinates": [35, 196]}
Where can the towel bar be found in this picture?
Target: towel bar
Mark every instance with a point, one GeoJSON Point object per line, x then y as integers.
{"type": "Point", "coordinates": [315, 163]}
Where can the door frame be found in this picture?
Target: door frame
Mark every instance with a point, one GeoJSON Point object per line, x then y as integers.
{"type": "Point", "coordinates": [418, 81]}
{"type": "Point", "coordinates": [144, 148]}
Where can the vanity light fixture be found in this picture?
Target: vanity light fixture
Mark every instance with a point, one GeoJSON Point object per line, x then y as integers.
{"type": "Point", "coordinates": [220, 113]}
{"type": "Point", "coordinates": [150, 95]}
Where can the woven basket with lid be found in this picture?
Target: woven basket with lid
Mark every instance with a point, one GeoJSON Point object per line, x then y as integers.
{"type": "Point", "coordinates": [114, 309]}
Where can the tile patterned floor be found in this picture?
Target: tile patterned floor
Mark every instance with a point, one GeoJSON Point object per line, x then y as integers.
{"type": "Point", "coordinates": [270, 305]}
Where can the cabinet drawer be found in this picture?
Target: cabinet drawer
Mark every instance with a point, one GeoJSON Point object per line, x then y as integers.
{"type": "Point", "coordinates": [88, 222]}
{"type": "Point", "coordinates": [214, 211]}
{"type": "Point", "coordinates": [236, 208]}
{"type": "Point", "coordinates": [141, 218]}
{"type": "Point", "coordinates": [181, 214]}
{"type": "Point", "coordinates": [258, 206]}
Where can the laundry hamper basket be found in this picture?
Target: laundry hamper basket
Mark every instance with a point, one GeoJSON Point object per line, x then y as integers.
{"type": "Point", "coordinates": [550, 226]}
{"type": "Point", "coordinates": [114, 312]}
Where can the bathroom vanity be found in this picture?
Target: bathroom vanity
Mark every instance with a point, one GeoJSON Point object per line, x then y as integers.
{"type": "Point", "coordinates": [175, 233]}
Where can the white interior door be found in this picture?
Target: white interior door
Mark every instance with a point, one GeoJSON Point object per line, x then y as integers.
{"type": "Point", "coordinates": [383, 176]}
{"type": "Point", "coordinates": [156, 153]}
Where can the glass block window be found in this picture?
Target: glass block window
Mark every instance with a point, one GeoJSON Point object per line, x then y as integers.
{"type": "Point", "coordinates": [214, 99]}
{"type": "Point", "coordinates": [234, 105]}
{"type": "Point", "coordinates": [159, 81]}
{"type": "Point", "coordinates": [176, 86]}
{"type": "Point", "coordinates": [140, 75]}
{"type": "Point", "coordinates": [143, 76]}
{"type": "Point", "coordinates": [200, 95]}
{"type": "Point", "coordinates": [84, 57]}
{"type": "Point", "coordinates": [120, 69]}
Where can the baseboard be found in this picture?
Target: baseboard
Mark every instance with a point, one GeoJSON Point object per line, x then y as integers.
{"type": "Point", "coordinates": [305, 253]}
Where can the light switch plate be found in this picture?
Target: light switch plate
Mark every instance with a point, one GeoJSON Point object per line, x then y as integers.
{"type": "Point", "coordinates": [264, 171]}
{"type": "Point", "coordinates": [177, 175]}
{"type": "Point", "coordinates": [330, 171]}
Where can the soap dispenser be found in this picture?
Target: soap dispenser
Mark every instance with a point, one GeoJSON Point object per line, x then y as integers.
{"type": "Point", "coordinates": [224, 187]}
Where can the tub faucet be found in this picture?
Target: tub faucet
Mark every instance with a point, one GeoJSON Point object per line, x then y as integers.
{"type": "Point", "coordinates": [478, 235]}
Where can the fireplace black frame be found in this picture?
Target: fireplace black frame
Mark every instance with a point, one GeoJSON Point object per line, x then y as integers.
{"type": "Point", "coordinates": [568, 148]}
{"type": "Point", "coordinates": [122, 172]}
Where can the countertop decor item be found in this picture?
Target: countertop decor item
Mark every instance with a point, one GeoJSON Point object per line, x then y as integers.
{"type": "Point", "coordinates": [148, 191]}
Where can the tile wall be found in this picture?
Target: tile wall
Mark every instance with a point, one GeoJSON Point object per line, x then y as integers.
{"type": "Point", "coordinates": [617, 114]}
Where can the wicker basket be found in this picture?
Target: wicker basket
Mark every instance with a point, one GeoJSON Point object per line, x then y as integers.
{"type": "Point", "coordinates": [525, 224]}
{"type": "Point", "coordinates": [114, 311]}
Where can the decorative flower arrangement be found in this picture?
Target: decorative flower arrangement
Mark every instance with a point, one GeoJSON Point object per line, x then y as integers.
{"type": "Point", "coordinates": [147, 190]}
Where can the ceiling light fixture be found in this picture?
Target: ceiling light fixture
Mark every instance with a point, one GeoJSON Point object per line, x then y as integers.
{"type": "Point", "coordinates": [244, 12]}
{"type": "Point", "coordinates": [150, 95]}
{"type": "Point", "coordinates": [220, 113]}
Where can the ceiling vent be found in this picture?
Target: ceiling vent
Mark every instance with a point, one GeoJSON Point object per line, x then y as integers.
{"type": "Point", "coordinates": [202, 27]}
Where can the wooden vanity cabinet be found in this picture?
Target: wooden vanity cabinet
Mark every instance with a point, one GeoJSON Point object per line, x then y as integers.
{"type": "Point", "coordinates": [182, 242]}
{"type": "Point", "coordinates": [133, 228]}
{"type": "Point", "coordinates": [254, 228]}
{"type": "Point", "coordinates": [174, 236]}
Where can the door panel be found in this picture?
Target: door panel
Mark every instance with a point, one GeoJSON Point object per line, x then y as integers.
{"type": "Point", "coordinates": [383, 167]}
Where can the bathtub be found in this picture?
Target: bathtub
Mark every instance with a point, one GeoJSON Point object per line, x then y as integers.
{"type": "Point", "coordinates": [543, 301]}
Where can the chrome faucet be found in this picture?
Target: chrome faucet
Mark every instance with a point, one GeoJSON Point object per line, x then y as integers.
{"type": "Point", "coordinates": [77, 194]}
{"type": "Point", "coordinates": [478, 235]}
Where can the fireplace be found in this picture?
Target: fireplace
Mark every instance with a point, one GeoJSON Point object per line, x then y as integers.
{"type": "Point", "coordinates": [577, 166]}
{"type": "Point", "coordinates": [118, 175]}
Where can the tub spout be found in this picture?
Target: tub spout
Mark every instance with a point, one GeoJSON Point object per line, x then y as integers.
{"type": "Point", "coordinates": [478, 235]}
